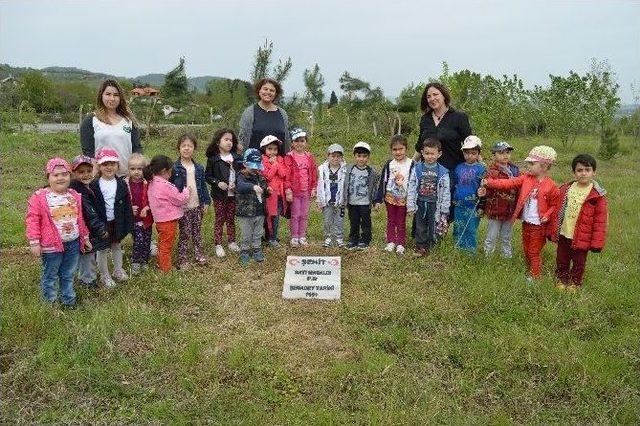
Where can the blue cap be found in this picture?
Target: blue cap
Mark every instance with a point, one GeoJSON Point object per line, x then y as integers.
{"type": "Point", "coordinates": [297, 133]}
{"type": "Point", "coordinates": [252, 159]}
{"type": "Point", "coordinates": [501, 146]}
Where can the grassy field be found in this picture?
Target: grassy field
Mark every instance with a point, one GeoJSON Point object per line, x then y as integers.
{"type": "Point", "coordinates": [447, 339]}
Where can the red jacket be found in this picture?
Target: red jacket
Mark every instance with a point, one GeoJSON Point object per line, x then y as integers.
{"type": "Point", "coordinates": [591, 226]}
{"type": "Point", "coordinates": [499, 205]}
{"type": "Point", "coordinates": [547, 195]}
{"type": "Point", "coordinates": [147, 221]}
{"type": "Point", "coordinates": [275, 175]}
{"type": "Point", "coordinates": [292, 181]}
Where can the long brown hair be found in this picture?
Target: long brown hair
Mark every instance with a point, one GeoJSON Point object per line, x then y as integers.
{"type": "Point", "coordinates": [424, 104]}
{"type": "Point", "coordinates": [123, 109]}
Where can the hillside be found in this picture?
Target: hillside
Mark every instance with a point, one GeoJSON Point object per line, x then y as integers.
{"type": "Point", "coordinates": [69, 74]}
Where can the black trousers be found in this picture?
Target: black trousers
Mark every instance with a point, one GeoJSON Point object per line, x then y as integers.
{"type": "Point", "coordinates": [360, 219]}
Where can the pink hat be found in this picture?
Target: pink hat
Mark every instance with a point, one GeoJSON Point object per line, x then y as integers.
{"type": "Point", "coordinates": [80, 159]}
{"type": "Point", "coordinates": [107, 154]}
{"type": "Point", "coordinates": [57, 162]}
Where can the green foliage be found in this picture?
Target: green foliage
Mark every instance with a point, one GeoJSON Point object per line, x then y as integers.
{"type": "Point", "coordinates": [39, 92]}
{"type": "Point", "coordinates": [262, 61]}
{"type": "Point", "coordinates": [609, 143]}
{"type": "Point", "coordinates": [176, 86]}
{"type": "Point", "coordinates": [229, 98]}
{"type": "Point", "coordinates": [314, 82]}
{"type": "Point", "coordinates": [333, 99]}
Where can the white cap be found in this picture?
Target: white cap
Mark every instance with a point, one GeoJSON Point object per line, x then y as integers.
{"type": "Point", "coordinates": [362, 145]}
{"type": "Point", "coordinates": [267, 140]}
{"type": "Point", "coordinates": [471, 142]}
{"type": "Point", "coordinates": [334, 147]}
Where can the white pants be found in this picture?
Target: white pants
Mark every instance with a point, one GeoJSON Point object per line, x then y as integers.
{"type": "Point", "coordinates": [102, 258]}
{"type": "Point", "coordinates": [503, 229]}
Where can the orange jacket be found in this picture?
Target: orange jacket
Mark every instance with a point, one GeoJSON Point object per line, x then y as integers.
{"type": "Point", "coordinates": [547, 195]}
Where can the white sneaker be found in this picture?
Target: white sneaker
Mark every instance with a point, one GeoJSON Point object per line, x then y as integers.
{"type": "Point", "coordinates": [108, 282]}
{"type": "Point", "coordinates": [400, 249]}
{"type": "Point", "coordinates": [220, 251]}
{"type": "Point", "coordinates": [120, 275]}
{"type": "Point", "coordinates": [295, 242]}
{"type": "Point", "coordinates": [327, 242]}
{"type": "Point", "coordinates": [154, 249]}
{"type": "Point", "coordinates": [303, 242]}
{"type": "Point", "coordinates": [340, 242]}
{"type": "Point", "coordinates": [390, 247]}
{"type": "Point", "coordinates": [233, 246]}
{"type": "Point", "coordinates": [135, 268]}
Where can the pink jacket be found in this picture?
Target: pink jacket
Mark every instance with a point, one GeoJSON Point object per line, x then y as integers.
{"type": "Point", "coordinates": [292, 181]}
{"type": "Point", "coordinates": [40, 228]}
{"type": "Point", "coordinates": [165, 201]}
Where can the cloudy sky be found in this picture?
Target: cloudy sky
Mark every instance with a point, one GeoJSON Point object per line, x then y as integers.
{"type": "Point", "coordinates": [389, 43]}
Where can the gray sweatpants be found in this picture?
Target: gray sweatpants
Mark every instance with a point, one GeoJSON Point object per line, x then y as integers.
{"type": "Point", "coordinates": [333, 222]}
{"type": "Point", "coordinates": [87, 268]}
{"type": "Point", "coordinates": [102, 258]}
{"type": "Point", "coordinates": [499, 228]}
{"type": "Point", "coordinates": [251, 232]}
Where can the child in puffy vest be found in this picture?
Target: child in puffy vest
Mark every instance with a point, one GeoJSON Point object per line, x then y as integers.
{"type": "Point", "coordinates": [580, 223]}
{"type": "Point", "coordinates": [56, 232]}
{"type": "Point", "coordinates": [499, 204]}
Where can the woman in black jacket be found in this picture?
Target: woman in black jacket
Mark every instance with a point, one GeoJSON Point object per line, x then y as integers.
{"type": "Point", "coordinates": [223, 163]}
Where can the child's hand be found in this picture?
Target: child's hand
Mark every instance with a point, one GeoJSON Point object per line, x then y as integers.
{"type": "Point", "coordinates": [483, 182]}
{"type": "Point", "coordinates": [274, 159]}
{"type": "Point", "coordinates": [289, 195]}
{"type": "Point", "coordinates": [544, 219]}
{"type": "Point", "coordinates": [482, 191]}
{"type": "Point", "coordinates": [135, 210]}
{"type": "Point", "coordinates": [480, 212]}
{"type": "Point", "coordinates": [223, 186]}
{"type": "Point", "coordinates": [205, 208]}
{"type": "Point", "coordinates": [87, 245]}
{"type": "Point", "coordinates": [144, 211]}
{"type": "Point", "coordinates": [411, 212]}
{"type": "Point", "coordinates": [232, 185]}
{"type": "Point", "coordinates": [313, 193]}
{"type": "Point", "coordinates": [257, 189]}
{"type": "Point", "coordinates": [36, 250]}
{"type": "Point", "coordinates": [376, 206]}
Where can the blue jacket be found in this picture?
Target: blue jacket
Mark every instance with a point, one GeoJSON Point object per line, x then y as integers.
{"type": "Point", "coordinates": [179, 179]}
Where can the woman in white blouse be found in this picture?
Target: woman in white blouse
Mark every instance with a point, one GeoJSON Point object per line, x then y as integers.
{"type": "Point", "coordinates": [112, 125]}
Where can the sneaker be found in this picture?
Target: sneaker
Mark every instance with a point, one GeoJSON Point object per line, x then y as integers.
{"type": "Point", "coordinates": [295, 242]}
{"type": "Point", "coordinates": [68, 306]}
{"type": "Point", "coordinates": [303, 242]}
{"type": "Point", "coordinates": [327, 243]}
{"type": "Point", "coordinates": [572, 288]}
{"type": "Point", "coordinates": [258, 255]}
{"type": "Point", "coordinates": [274, 243]}
{"type": "Point", "coordinates": [390, 247]}
{"type": "Point", "coordinates": [351, 245]}
{"type": "Point", "coordinates": [184, 266]}
{"type": "Point", "coordinates": [420, 252]}
{"type": "Point", "coordinates": [244, 257]}
{"type": "Point", "coordinates": [120, 275]}
{"type": "Point", "coordinates": [561, 286]}
{"type": "Point", "coordinates": [108, 282]}
{"type": "Point", "coordinates": [363, 246]}
{"type": "Point", "coordinates": [201, 260]}
{"type": "Point", "coordinates": [340, 242]}
{"type": "Point", "coordinates": [400, 249]}
{"type": "Point", "coordinates": [153, 249]}
{"type": "Point", "coordinates": [220, 251]}
{"type": "Point", "coordinates": [233, 246]}
{"type": "Point", "coordinates": [91, 285]}
{"type": "Point", "coordinates": [135, 268]}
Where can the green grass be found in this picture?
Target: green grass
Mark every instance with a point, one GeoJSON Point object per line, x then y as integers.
{"type": "Point", "coordinates": [447, 339]}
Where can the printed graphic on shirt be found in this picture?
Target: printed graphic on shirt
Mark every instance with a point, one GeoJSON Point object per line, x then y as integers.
{"type": "Point", "coordinates": [359, 185]}
{"type": "Point", "coordinates": [428, 186]}
{"type": "Point", "coordinates": [396, 193]}
{"type": "Point", "coordinates": [63, 212]}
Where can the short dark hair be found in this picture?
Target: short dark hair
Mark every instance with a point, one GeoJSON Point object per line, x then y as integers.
{"type": "Point", "coordinates": [476, 148]}
{"type": "Point", "coordinates": [157, 164]}
{"type": "Point", "coordinates": [262, 82]}
{"type": "Point", "coordinates": [424, 104]}
{"type": "Point", "coordinates": [431, 143]}
{"type": "Point", "coordinates": [361, 150]}
{"type": "Point", "coordinates": [398, 140]}
{"type": "Point", "coordinates": [584, 159]}
{"type": "Point", "coordinates": [187, 136]}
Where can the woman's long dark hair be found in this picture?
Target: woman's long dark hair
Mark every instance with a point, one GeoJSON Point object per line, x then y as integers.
{"type": "Point", "coordinates": [157, 164]}
{"type": "Point", "coordinates": [424, 104]}
{"type": "Point", "coordinates": [214, 147]}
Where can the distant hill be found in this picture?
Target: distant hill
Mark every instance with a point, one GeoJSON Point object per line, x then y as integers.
{"type": "Point", "coordinates": [93, 79]}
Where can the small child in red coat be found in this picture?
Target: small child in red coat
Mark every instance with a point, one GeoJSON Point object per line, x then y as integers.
{"type": "Point", "coordinates": [580, 223]}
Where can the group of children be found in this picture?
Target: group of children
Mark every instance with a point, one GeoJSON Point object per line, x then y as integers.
{"type": "Point", "coordinates": [79, 219]}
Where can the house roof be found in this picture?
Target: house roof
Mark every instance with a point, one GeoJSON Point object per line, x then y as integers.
{"type": "Point", "coordinates": [145, 91]}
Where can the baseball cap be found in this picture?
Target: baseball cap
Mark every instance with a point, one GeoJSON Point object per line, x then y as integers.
{"type": "Point", "coordinates": [362, 144]}
{"type": "Point", "coordinates": [335, 147]}
{"type": "Point", "coordinates": [252, 159]}
{"type": "Point", "coordinates": [541, 153]}
{"type": "Point", "coordinates": [56, 162]}
{"type": "Point", "coordinates": [297, 133]}
{"type": "Point", "coordinates": [267, 140]}
{"type": "Point", "coordinates": [80, 159]}
{"type": "Point", "coordinates": [107, 154]}
{"type": "Point", "coordinates": [471, 142]}
{"type": "Point", "coordinates": [501, 146]}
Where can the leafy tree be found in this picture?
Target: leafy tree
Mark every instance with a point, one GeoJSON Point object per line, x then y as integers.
{"type": "Point", "coordinates": [314, 82]}
{"type": "Point", "coordinates": [176, 86]}
{"type": "Point", "coordinates": [39, 92]}
{"type": "Point", "coordinates": [333, 99]}
{"type": "Point", "coordinates": [262, 62]}
{"type": "Point", "coordinates": [609, 144]}
{"type": "Point", "coordinates": [602, 94]}
{"type": "Point", "coordinates": [409, 98]}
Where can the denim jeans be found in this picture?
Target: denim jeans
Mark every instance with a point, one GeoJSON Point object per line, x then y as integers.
{"type": "Point", "coordinates": [60, 266]}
